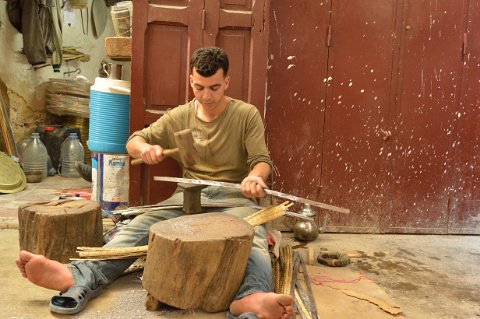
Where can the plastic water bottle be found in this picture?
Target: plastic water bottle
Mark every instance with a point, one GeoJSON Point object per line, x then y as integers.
{"type": "Point", "coordinates": [71, 151]}
{"type": "Point", "coordinates": [21, 146]}
{"type": "Point", "coordinates": [35, 156]}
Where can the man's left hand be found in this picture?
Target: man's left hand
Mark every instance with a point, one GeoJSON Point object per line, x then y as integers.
{"type": "Point", "coordinates": [253, 187]}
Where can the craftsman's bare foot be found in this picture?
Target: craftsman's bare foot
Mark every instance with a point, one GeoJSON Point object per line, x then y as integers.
{"type": "Point", "coordinates": [44, 272]}
{"type": "Point", "coordinates": [265, 305]}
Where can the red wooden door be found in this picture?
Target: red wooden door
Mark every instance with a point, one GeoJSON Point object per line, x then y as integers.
{"type": "Point", "coordinates": [296, 94]}
{"type": "Point", "coordinates": [424, 142]}
{"type": "Point", "coordinates": [356, 116]}
{"type": "Point", "coordinates": [396, 136]}
{"type": "Point", "coordinates": [465, 195]}
{"type": "Point", "coordinates": [326, 111]}
{"type": "Point", "coordinates": [165, 34]}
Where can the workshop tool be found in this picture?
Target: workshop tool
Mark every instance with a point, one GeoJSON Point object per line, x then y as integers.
{"type": "Point", "coordinates": [185, 148]}
{"type": "Point", "coordinates": [192, 195]}
{"type": "Point", "coordinates": [304, 297]}
{"type": "Point", "coordinates": [238, 186]}
{"type": "Point", "coordinates": [138, 210]}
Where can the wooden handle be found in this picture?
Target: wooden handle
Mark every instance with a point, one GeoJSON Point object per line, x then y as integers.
{"type": "Point", "coordinates": [137, 161]}
{"type": "Point", "coordinates": [170, 152]}
{"type": "Point", "coordinates": [165, 152]}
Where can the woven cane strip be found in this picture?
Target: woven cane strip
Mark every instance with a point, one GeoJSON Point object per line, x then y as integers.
{"type": "Point", "coordinates": [301, 305]}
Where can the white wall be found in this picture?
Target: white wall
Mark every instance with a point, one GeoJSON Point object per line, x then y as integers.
{"type": "Point", "coordinates": [26, 87]}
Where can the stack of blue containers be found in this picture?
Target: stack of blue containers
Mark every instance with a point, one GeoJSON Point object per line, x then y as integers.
{"type": "Point", "coordinates": [108, 134]}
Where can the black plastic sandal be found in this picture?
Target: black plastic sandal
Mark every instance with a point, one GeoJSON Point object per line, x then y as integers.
{"type": "Point", "coordinates": [73, 300]}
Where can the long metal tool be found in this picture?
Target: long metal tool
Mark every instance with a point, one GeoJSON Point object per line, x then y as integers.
{"type": "Point", "coordinates": [138, 210]}
{"type": "Point", "coordinates": [237, 186]}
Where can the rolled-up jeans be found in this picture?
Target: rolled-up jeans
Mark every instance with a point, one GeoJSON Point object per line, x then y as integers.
{"type": "Point", "coordinates": [258, 273]}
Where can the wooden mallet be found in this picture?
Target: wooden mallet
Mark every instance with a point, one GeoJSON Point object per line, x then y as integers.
{"type": "Point", "coordinates": [185, 148]}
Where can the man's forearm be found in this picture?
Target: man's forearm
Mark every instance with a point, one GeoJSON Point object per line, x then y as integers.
{"type": "Point", "coordinates": [134, 146]}
{"type": "Point", "coordinates": [261, 170]}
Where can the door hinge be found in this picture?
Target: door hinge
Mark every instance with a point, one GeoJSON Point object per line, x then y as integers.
{"type": "Point", "coordinates": [329, 35]}
{"type": "Point", "coordinates": [465, 44]}
{"type": "Point", "coordinates": [204, 17]}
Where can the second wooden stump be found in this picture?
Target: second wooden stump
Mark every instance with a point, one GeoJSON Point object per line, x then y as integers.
{"type": "Point", "coordinates": [197, 261]}
{"type": "Point", "coordinates": [55, 229]}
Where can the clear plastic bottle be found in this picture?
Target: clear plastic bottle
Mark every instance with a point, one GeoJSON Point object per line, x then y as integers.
{"type": "Point", "coordinates": [71, 151]}
{"type": "Point", "coordinates": [35, 156]}
{"type": "Point", "coordinates": [21, 147]}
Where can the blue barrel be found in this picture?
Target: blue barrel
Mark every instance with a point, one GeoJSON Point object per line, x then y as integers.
{"type": "Point", "coordinates": [109, 116]}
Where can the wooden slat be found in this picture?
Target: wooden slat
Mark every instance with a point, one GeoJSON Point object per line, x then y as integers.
{"type": "Point", "coordinates": [118, 48]}
{"type": "Point", "coordinates": [173, 14]}
{"type": "Point", "coordinates": [229, 18]}
{"type": "Point", "coordinates": [7, 141]}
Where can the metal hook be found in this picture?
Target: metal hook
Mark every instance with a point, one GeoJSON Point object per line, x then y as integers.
{"type": "Point", "coordinates": [77, 70]}
{"type": "Point", "coordinates": [104, 68]}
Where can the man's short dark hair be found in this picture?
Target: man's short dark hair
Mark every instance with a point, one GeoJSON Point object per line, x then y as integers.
{"type": "Point", "coordinates": [207, 61]}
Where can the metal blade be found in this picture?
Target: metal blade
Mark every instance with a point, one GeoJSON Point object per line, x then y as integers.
{"type": "Point", "coordinates": [237, 186]}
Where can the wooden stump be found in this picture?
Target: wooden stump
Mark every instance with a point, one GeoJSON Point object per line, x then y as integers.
{"type": "Point", "coordinates": [55, 229]}
{"type": "Point", "coordinates": [197, 261]}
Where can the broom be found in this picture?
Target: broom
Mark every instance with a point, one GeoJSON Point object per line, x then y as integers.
{"type": "Point", "coordinates": [99, 253]}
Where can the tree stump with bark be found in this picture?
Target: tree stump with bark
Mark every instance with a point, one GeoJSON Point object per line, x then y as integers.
{"type": "Point", "coordinates": [55, 229]}
{"type": "Point", "coordinates": [197, 261]}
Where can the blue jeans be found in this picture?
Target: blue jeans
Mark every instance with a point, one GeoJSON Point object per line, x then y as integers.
{"type": "Point", "coordinates": [258, 274]}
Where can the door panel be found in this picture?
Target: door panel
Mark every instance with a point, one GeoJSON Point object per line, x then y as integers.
{"type": "Point", "coordinates": [232, 26]}
{"type": "Point", "coordinates": [165, 81]}
{"type": "Point", "coordinates": [164, 35]}
{"type": "Point", "coordinates": [356, 116]}
{"type": "Point", "coordinates": [237, 45]}
{"type": "Point", "coordinates": [465, 203]}
{"type": "Point", "coordinates": [296, 94]}
{"type": "Point", "coordinates": [421, 167]}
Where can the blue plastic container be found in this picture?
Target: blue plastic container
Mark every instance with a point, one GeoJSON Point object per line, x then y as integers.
{"type": "Point", "coordinates": [109, 116]}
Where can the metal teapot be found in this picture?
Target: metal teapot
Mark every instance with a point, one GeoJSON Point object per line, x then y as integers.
{"type": "Point", "coordinates": [305, 230]}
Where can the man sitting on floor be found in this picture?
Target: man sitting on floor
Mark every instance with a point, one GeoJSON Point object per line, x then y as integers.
{"type": "Point", "coordinates": [229, 136]}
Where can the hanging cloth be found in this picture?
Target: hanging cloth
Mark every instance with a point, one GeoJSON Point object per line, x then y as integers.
{"type": "Point", "coordinates": [40, 22]}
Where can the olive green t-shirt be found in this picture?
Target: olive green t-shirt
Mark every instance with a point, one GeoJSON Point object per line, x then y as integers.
{"type": "Point", "coordinates": [228, 147]}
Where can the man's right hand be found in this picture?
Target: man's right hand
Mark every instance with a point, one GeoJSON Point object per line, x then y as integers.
{"type": "Point", "coordinates": [152, 154]}
{"type": "Point", "coordinates": [137, 147]}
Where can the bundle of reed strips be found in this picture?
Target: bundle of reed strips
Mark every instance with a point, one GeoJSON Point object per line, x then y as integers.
{"type": "Point", "coordinates": [267, 214]}
{"type": "Point", "coordinates": [283, 271]}
{"type": "Point", "coordinates": [99, 253]}
{"type": "Point", "coordinates": [71, 53]}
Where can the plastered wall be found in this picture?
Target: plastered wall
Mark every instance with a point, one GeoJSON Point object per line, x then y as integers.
{"type": "Point", "coordinates": [23, 88]}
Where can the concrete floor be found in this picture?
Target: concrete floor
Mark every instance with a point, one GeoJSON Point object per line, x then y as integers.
{"type": "Point", "coordinates": [427, 276]}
